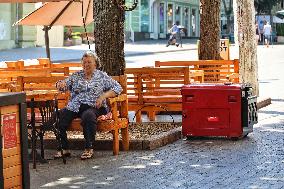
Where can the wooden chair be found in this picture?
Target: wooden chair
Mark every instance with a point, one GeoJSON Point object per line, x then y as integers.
{"type": "Point", "coordinates": [118, 107]}
{"type": "Point", "coordinates": [119, 121]}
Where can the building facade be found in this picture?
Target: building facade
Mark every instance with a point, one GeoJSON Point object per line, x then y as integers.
{"type": "Point", "coordinates": [15, 36]}
{"type": "Point", "coordinates": [153, 18]}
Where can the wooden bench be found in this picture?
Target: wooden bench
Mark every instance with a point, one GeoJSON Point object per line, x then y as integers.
{"type": "Point", "coordinates": [72, 66]}
{"type": "Point", "coordinates": [43, 63]}
{"type": "Point", "coordinates": [216, 71]}
{"type": "Point", "coordinates": [41, 72]}
{"type": "Point", "coordinates": [118, 106]}
{"type": "Point", "coordinates": [7, 86]}
{"type": "Point", "coordinates": [155, 89]}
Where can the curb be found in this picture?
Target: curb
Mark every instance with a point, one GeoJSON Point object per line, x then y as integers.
{"type": "Point", "coordinates": [263, 102]}
{"type": "Point", "coordinates": [151, 143]}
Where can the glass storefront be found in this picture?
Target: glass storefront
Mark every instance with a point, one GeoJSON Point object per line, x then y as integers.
{"type": "Point", "coordinates": [193, 22]}
{"type": "Point", "coordinates": [170, 16]}
{"type": "Point", "coordinates": [178, 14]}
{"type": "Point", "coordinates": [157, 17]}
{"type": "Point", "coordinates": [145, 16]}
{"type": "Point", "coordinates": [161, 18]}
{"type": "Point", "coordinates": [185, 22]}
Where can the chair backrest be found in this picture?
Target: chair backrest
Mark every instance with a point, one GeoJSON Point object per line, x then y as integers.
{"type": "Point", "coordinates": [122, 80]}
{"type": "Point", "coordinates": [48, 110]}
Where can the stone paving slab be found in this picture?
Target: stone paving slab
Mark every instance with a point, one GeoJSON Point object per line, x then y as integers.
{"type": "Point", "coordinates": [254, 162]}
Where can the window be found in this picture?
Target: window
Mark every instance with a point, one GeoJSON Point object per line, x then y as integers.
{"type": "Point", "coordinates": [144, 16]}
{"type": "Point", "coordinates": [162, 18]}
{"type": "Point", "coordinates": [177, 14]}
{"type": "Point", "coordinates": [170, 16]}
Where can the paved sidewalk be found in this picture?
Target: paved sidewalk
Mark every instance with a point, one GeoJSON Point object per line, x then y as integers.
{"type": "Point", "coordinates": [74, 53]}
{"type": "Point", "coordinates": [256, 162]}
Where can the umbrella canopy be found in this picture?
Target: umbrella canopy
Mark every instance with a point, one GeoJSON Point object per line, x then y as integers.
{"type": "Point", "coordinates": [67, 13]}
{"type": "Point", "coordinates": [27, 1]}
{"type": "Point", "coordinates": [60, 13]}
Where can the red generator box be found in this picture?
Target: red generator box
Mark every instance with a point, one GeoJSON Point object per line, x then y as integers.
{"type": "Point", "coordinates": [227, 110]}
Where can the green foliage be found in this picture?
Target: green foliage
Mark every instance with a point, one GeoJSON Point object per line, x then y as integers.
{"type": "Point", "coordinates": [76, 35]}
{"type": "Point", "coordinates": [265, 6]}
{"type": "Point", "coordinates": [280, 29]}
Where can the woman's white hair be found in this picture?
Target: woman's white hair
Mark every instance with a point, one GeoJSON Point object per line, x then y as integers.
{"type": "Point", "coordinates": [94, 56]}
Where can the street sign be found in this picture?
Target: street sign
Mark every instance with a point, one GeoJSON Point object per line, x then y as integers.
{"type": "Point", "coordinates": [224, 48]}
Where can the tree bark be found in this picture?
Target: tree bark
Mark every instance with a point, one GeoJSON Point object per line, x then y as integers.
{"type": "Point", "coordinates": [244, 13]}
{"type": "Point", "coordinates": [209, 30]}
{"type": "Point", "coordinates": [109, 35]}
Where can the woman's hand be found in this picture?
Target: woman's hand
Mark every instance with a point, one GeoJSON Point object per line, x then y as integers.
{"type": "Point", "coordinates": [104, 96]}
{"type": "Point", "coordinates": [99, 101]}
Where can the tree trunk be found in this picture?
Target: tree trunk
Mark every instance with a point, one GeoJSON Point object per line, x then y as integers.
{"type": "Point", "coordinates": [244, 13]}
{"type": "Point", "coordinates": [209, 29]}
{"type": "Point", "coordinates": [109, 35]}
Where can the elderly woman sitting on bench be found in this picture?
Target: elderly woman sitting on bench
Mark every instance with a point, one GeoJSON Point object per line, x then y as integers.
{"type": "Point", "coordinates": [89, 89]}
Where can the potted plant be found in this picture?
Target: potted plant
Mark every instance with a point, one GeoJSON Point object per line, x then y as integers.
{"type": "Point", "coordinates": [76, 38]}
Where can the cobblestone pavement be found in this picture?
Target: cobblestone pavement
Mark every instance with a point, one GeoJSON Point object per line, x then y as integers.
{"type": "Point", "coordinates": [253, 162]}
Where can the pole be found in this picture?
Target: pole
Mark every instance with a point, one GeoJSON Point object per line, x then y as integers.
{"type": "Point", "coordinates": [46, 37]}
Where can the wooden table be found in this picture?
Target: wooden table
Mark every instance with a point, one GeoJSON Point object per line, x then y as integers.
{"type": "Point", "coordinates": [42, 94]}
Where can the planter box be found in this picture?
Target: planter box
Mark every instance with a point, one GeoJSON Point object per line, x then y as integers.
{"type": "Point", "coordinates": [280, 39]}
{"type": "Point", "coordinates": [77, 41]}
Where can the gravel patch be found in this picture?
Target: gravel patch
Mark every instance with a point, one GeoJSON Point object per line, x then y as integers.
{"type": "Point", "coordinates": [136, 131]}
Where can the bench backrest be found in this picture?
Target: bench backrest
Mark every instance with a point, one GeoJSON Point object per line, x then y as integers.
{"type": "Point", "coordinates": [72, 66]}
{"type": "Point", "coordinates": [48, 84]}
{"type": "Point", "coordinates": [214, 70]}
{"type": "Point", "coordinates": [143, 82]}
{"type": "Point", "coordinates": [39, 72]}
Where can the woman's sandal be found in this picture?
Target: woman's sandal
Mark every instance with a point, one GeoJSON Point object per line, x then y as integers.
{"type": "Point", "coordinates": [58, 154]}
{"type": "Point", "coordinates": [87, 154]}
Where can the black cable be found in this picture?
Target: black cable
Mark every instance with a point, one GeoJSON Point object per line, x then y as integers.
{"type": "Point", "coordinates": [84, 22]}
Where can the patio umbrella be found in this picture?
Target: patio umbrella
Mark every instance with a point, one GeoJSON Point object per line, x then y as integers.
{"type": "Point", "coordinates": [280, 14]}
{"type": "Point", "coordinates": [67, 13]}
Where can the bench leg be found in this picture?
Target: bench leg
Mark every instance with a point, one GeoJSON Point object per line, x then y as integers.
{"type": "Point", "coordinates": [125, 139]}
{"type": "Point", "coordinates": [115, 142]}
{"type": "Point", "coordinates": [151, 115]}
{"type": "Point", "coordinates": [138, 117]}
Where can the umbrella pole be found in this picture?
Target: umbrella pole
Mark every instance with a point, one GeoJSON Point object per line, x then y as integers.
{"type": "Point", "coordinates": [46, 37]}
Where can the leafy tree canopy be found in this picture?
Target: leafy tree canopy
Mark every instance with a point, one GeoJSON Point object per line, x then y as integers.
{"type": "Point", "coordinates": [265, 6]}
